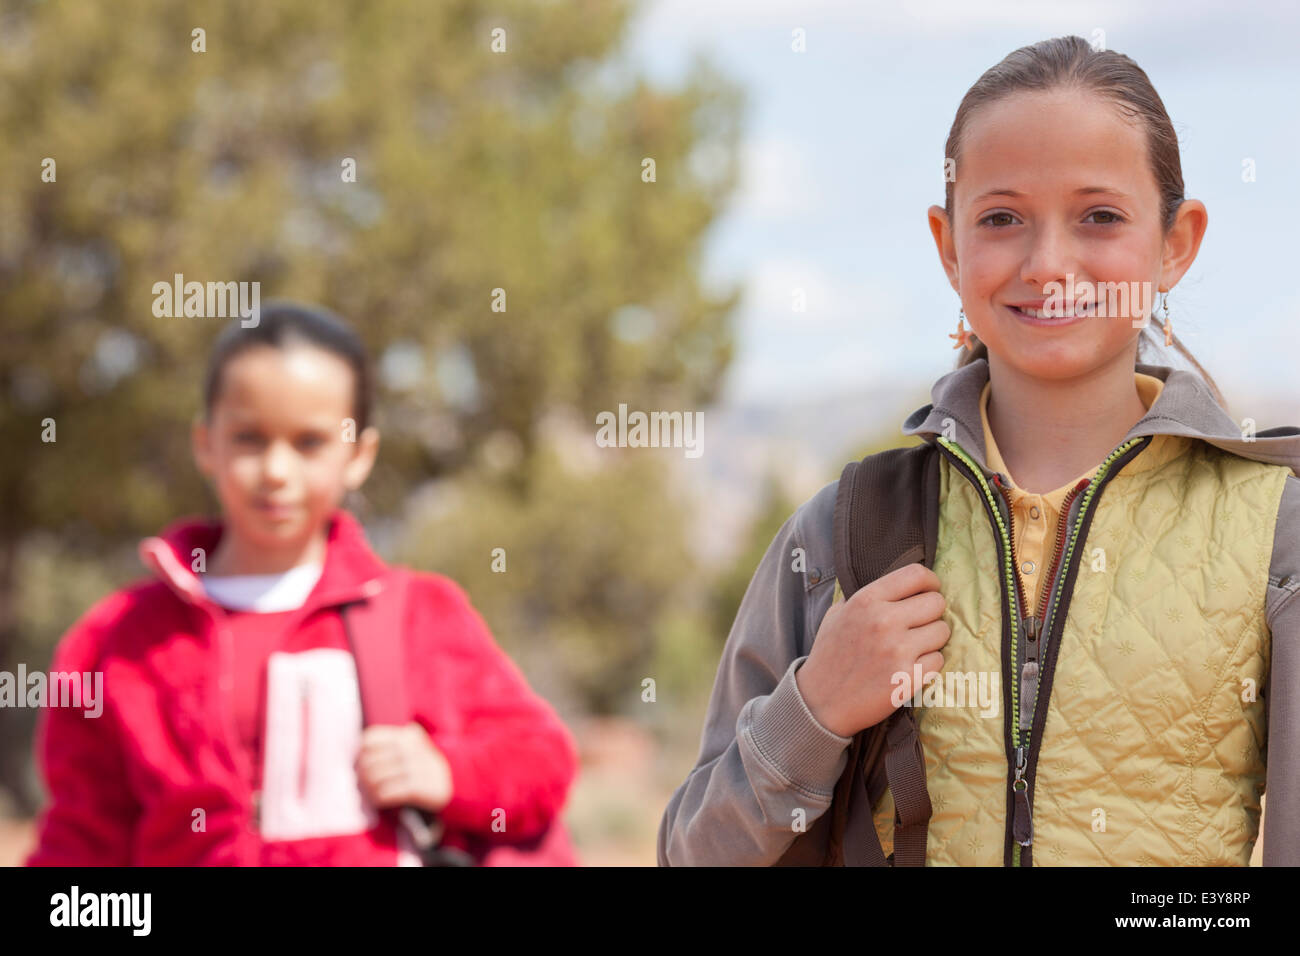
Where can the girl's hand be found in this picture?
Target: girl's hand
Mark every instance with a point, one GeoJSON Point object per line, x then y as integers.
{"type": "Point", "coordinates": [400, 766]}
{"type": "Point", "coordinates": [867, 646]}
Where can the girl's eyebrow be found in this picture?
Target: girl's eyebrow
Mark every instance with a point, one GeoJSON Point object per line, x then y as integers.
{"type": "Point", "coordinates": [318, 427]}
{"type": "Point", "coordinates": [1081, 191]}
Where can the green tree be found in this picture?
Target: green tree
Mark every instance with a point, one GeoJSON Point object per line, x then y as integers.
{"type": "Point", "coordinates": [579, 577]}
{"type": "Point", "coordinates": [499, 153]}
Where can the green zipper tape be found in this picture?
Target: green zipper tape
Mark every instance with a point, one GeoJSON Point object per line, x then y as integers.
{"type": "Point", "coordinates": [1088, 495]}
{"type": "Point", "coordinates": [1008, 571]}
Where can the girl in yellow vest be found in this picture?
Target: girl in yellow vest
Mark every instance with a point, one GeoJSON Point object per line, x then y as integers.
{"type": "Point", "coordinates": [1118, 559]}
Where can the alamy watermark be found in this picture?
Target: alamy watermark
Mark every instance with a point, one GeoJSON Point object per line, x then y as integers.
{"type": "Point", "coordinates": [948, 689]}
{"type": "Point", "coordinates": [77, 689]}
{"type": "Point", "coordinates": [211, 300]}
{"type": "Point", "coordinates": [129, 910]}
{"type": "Point", "coordinates": [1124, 300]}
{"type": "Point", "coordinates": [651, 430]}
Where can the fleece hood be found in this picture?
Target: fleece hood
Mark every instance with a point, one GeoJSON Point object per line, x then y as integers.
{"type": "Point", "coordinates": [1185, 406]}
{"type": "Point", "coordinates": [351, 572]}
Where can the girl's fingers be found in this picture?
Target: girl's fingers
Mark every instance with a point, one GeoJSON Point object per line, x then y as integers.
{"type": "Point", "coordinates": [394, 792]}
{"type": "Point", "coordinates": [397, 735]}
{"type": "Point", "coordinates": [375, 768]}
{"type": "Point", "coordinates": [376, 746]}
{"type": "Point", "coordinates": [385, 777]}
{"type": "Point", "coordinates": [381, 733]}
{"type": "Point", "coordinates": [390, 766]}
{"type": "Point", "coordinates": [929, 637]}
{"type": "Point", "coordinates": [395, 740]}
{"type": "Point", "coordinates": [931, 663]}
{"type": "Point", "coordinates": [379, 785]}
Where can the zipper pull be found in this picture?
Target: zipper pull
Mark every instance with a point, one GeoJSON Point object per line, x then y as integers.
{"type": "Point", "coordinates": [1029, 673]}
{"type": "Point", "coordinates": [1022, 827]}
{"type": "Point", "coordinates": [1028, 694]}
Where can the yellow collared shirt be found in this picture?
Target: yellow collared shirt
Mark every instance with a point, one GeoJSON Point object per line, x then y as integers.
{"type": "Point", "coordinates": [1037, 516]}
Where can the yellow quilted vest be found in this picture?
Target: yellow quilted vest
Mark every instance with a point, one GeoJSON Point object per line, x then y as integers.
{"type": "Point", "coordinates": [1152, 748]}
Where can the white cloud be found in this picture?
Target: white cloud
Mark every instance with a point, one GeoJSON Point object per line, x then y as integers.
{"type": "Point", "coordinates": [776, 181]}
{"type": "Point", "coordinates": [770, 297]}
{"type": "Point", "coordinates": [853, 330]}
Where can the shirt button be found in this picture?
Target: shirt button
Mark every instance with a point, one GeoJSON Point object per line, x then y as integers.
{"type": "Point", "coordinates": [1027, 567]}
{"type": "Point", "coordinates": [1033, 512]}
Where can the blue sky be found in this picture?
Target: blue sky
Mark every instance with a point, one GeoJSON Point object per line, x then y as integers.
{"type": "Point", "coordinates": [842, 156]}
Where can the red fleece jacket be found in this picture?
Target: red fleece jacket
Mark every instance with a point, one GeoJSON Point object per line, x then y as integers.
{"type": "Point", "coordinates": [160, 778]}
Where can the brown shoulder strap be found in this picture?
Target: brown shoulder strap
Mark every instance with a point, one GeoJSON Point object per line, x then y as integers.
{"type": "Point", "coordinates": [886, 516]}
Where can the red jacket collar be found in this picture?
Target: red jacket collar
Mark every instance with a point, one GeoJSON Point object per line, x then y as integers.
{"type": "Point", "coordinates": [350, 572]}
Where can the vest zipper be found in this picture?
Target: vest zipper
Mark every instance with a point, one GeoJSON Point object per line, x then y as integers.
{"type": "Point", "coordinates": [1029, 695]}
{"type": "Point", "coordinates": [1022, 751]}
{"type": "Point", "coordinates": [1058, 610]}
{"type": "Point", "coordinates": [1036, 623]}
{"type": "Point", "coordinates": [1022, 825]}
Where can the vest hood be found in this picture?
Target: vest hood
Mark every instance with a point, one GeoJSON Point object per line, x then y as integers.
{"type": "Point", "coordinates": [1185, 406]}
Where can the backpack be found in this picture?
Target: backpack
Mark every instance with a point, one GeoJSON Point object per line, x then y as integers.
{"type": "Point", "coordinates": [886, 516]}
{"type": "Point", "coordinates": [380, 676]}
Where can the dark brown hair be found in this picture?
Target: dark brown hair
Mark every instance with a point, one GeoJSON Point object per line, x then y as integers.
{"type": "Point", "coordinates": [1071, 62]}
{"type": "Point", "coordinates": [282, 324]}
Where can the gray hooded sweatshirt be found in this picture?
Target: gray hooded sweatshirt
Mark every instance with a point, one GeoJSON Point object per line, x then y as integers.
{"type": "Point", "coordinates": [764, 757]}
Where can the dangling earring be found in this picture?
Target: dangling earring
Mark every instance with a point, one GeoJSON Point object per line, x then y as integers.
{"type": "Point", "coordinates": [962, 334]}
{"type": "Point", "coordinates": [1169, 325]}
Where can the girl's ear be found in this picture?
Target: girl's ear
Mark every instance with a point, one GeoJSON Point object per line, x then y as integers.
{"type": "Point", "coordinates": [1183, 241]}
{"type": "Point", "coordinates": [357, 470]}
{"type": "Point", "coordinates": [941, 229]}
{"type": "Point", "coordinates": [200, 445]}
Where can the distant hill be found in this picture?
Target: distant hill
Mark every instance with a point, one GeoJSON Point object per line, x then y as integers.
{"type": "Point", "coordinates": [803, 445]}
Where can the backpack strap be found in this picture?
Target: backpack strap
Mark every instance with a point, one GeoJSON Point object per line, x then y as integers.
{"type": "Point", "coordinates": [886, 516]}
{"type": "Point", "coordinates": [375, 629]}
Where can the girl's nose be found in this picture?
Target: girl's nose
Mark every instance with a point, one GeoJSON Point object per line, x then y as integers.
{"type": "Point", "coordinates": [1049, 258]}
{"type": "Point", "coordinates": [277, 463]}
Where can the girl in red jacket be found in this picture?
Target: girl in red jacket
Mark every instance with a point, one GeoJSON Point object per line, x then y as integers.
{"type": "Point", "coordinates": [231, 730]}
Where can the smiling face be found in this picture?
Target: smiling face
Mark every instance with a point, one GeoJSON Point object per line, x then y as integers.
{"type": "Point", "coordinates": [1057, 187]}
{"type": "Point", "coordinates": [276, 447]}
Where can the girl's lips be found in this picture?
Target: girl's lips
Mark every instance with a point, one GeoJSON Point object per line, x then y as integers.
{"type": "Point", "coordinates": [1053, 322]}
{"type": "Point", "coordinates": [275, 510]}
